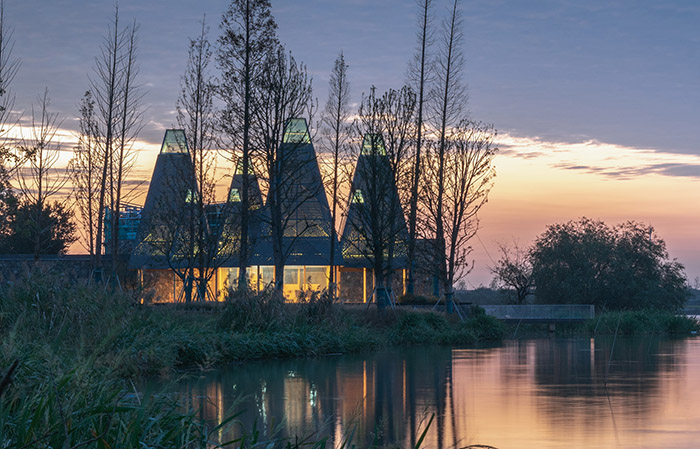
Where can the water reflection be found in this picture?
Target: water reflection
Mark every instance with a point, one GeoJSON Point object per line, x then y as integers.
{"type": "Point", "coordinates": [536, 393]}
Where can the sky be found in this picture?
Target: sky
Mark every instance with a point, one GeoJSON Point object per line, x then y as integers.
{"type": "Point", "coordinates": [595, 102]}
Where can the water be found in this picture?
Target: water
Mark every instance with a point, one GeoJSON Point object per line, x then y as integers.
{"type": "Point", "coordinates": [548, 393]}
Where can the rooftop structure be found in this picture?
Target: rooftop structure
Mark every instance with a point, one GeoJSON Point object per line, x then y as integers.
{"type": "Point", "coordinates": [160, 238]}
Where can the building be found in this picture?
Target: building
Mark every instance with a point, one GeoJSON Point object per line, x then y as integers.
{"type": "Point", "coordinates": [167, 254]}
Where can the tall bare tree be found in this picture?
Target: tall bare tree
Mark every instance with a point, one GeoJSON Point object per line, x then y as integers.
{"type": "Point", "coordinates": [85, 173]}
{"type": "Point", "coordinates": [418, 75]}
{"type": "Point", "coordinates": [39, 179]}
{"type": "Point", "coordinates": [10, 159]}
{"type": "Point", "coordinates": [129, 125]}
{"type": "Point", "coordinates": [197, 117]}
{"type": "Point", "coordinates": [249, 33]}
{"type": "Point", "coordinates": [283, 93]}
{"type": "Point", "coordinates": [117, 98]}
{"type": "Point", "coordinates": [336, 128]}
{"type": "Point", "coordinates": [463, 164]}
{"type": "Point", "coordinates": [375, 228]}
{"type": "Point", "coordinates": [449, 99]}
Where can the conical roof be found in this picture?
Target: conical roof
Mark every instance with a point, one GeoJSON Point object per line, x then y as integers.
{"type": "Point", "coordinates": [308, 230]}
{"type": "Point", "coordinates": [374, 207]}
{"type": "Point", "coordinates": [164, 213]}
{"type": "Point", "coordinates": [260, 249]}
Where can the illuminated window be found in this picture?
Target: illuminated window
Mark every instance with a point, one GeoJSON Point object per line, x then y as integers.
{"type": "Point", "coordinates": [373, 144]}
{"type": "Point", "coordinates": [357, 197]}
{"type": "Point", "coordinates": [174, 142]}
{"type": "Point", "coordinates": [296, 131]}
{"type": "Point", "coordinates": [291, 276]}
{"type": "Point", "coordinates": [234, 196]}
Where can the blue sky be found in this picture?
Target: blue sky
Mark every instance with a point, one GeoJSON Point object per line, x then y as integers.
{"type": "Point", "coordinates": [623, 72]}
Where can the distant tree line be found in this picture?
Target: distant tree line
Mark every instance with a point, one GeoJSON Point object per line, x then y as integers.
{"type": "Point", "coordinates": [623, 267]}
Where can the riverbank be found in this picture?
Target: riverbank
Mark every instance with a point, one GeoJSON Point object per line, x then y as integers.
{"type": "Point", "coordinates": [77, 347]}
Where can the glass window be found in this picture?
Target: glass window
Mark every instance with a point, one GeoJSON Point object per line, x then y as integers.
{"type": "Point", "coordinates": [232, 278]}
{"type": "Point", "coordinates": [268, 276]}
{"type": "Point", "coordinates": [174, 142]}
{"type": "Point", "coordinates": [316, 277]}
{"type": "Point", "coordinates": [357, 197]}
{"type": "Point", "coordinates": [291, 276]}
{"type": "Point", "coordinates": [234, 196]}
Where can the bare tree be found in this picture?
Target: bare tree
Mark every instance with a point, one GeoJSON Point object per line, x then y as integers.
{"type": "Point", "coordinates": [418, 74]}
{"type": "Point", "coordinates": [284, 153]}
{"type": "Point", "coordinates": [463, 165]}
{"type": "Point", "coordinates": [249, 33]}
{"type": "Point", "coordinates": [513, 271]}
{"type": "Point", "coordinates": [449, 100]}
{"type": "Point", "coordinates": [336, 128]}
{"type": "Point", "coordinates": [10, 159]}
{"type": "Point", "coordinates": [39, 179]}
{"type": "Point", "coordinates": [197, 117]}
{"type": "Point", "coordinates": [117, 98]}
{"type": "Point", "coordinates": [375, 228]}
{"type": "Point", "coordinates": [396, 120]}
{"type": "Point", "coordinates": [85, 173]}
{"type": "Point", "coordinates": [129, 125]}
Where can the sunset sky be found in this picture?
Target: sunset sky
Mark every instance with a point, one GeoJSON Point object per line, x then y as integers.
{"type": "Point", "coordinates": [596, 102]}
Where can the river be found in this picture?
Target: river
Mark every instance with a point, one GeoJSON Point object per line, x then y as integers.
{"type": "Point", "coordinates": [542, 393]}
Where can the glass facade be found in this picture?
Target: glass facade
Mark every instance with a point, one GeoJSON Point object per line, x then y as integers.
{"type": "Point", "coordinates": [297, 279]}
{"type": "Point", "coordinates": [174, 142]}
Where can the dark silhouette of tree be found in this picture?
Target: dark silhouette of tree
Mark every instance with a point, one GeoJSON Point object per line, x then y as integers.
{"type": "Point", "coordinates": [513, 272]}
{"type": "Point", "coordinates": [10, 157]}
{"type": "Point", "coordinates": [117, 99]}
{"type": "Point", "coordinates": [418, 74]}
{"type": "Point", "coordinates": [51, 226]}
{"type": "Point", "coordinates": [39, 180]}
{"type": "Point", "coordinates": [249, 34]}
{"type": "Point", "coordinates": [336, 129]}
{"type": "Point", "coordinates": [448, 101]}
{"type": "Point", "coordinates": [283, 152]}
{"type": "Point", "coordinates": [375, 226]}
{"type": "Point", "coordinates": [458, 174]}
{"type": "Point", "coordinates": [197, 117]}
{"type": "Point", "coordinates": [621, 267]}
{"type": "Point", "coordinates": [85, 174]}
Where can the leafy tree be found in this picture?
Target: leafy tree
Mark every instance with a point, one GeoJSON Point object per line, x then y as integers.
{"type": "Point", "coordinates": [622, 267]}
{"type": "Point", "coordinates": [51, 226]}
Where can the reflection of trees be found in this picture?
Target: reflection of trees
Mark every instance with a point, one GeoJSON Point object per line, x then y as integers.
{"type": "Point", "coordinates": [383, 396]}
{"type": "Point", "coordinates": [571, 375]}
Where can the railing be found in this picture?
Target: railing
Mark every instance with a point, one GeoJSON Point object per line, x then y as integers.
{"type": "Point", "coordinates": [564, 312]}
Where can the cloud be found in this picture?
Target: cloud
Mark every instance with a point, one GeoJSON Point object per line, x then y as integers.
{"type": "Point", "coordinates": [600, 158]}
{"type": "Point", "coordinates": [629, 172]}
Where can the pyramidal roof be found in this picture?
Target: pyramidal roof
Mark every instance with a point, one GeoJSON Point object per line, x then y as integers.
{"type": "Point", "coordinates": [260, 249]}
{"type": "Point", "coordinates": [308, 231]}
{"type": "Point", "coordinates": [373, 183]}
{"type": "Point", "coordinates": [172, 187]}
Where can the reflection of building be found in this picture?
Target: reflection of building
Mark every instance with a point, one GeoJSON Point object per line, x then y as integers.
{"type": "Point", "coordinates": [166, 231]}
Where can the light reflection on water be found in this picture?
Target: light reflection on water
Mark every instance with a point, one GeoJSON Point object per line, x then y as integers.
{"type": "Point", "coordinates": [548, 393]}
